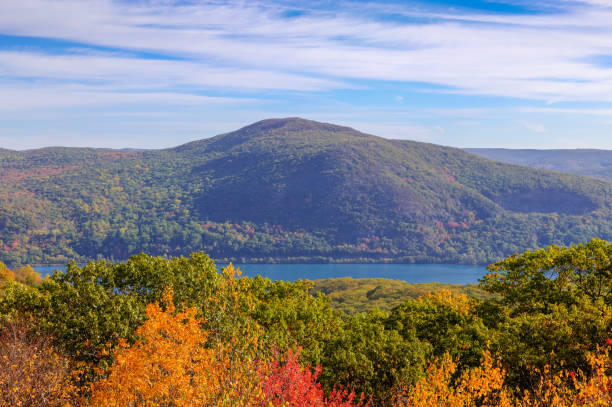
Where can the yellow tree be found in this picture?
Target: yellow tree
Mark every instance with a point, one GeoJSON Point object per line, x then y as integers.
{"type": "Point", "coordinates": [484, 386]}
{"type": "Point", "coordinates": [573, 389]}
{"type": "Point", "coordinates": [481, 386]}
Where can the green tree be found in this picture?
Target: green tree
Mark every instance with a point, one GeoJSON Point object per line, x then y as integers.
{"type": "Point", "coordinates": [534, 280]}
{"type": "Point", "coordinates": [88, 307]}
{"type": "Point", "coordinates": [552, 307]}
{"type": "Point", "coordinates": [447, 322]}
{"type": "Point", "coordinates": [365, 355]}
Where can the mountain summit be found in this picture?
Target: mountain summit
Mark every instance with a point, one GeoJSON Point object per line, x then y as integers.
{"type": "Point", "coordinates": [291, 190]}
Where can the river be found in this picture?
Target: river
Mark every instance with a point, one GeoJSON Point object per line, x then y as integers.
{"type": "Point", "coordinates": [411, 273]}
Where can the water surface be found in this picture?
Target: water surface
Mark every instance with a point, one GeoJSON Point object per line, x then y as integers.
{"type": "Point", "coordinates": [412, 273]}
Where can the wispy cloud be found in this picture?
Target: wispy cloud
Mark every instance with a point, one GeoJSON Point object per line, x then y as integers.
{"type": "Point", "coordinates": [204, 53]}
{"type": "Point", "coordinates": [540, 57]}
{"type": "Point", "coordinates": [571, 111]}
{"type": "Point", "coordinates": [37, 96]}
{"type": "Point", "coordinates": [533, 127]}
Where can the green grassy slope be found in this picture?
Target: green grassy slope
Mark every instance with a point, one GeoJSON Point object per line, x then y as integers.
{"type": "Point", "coordinates": [289, 190]}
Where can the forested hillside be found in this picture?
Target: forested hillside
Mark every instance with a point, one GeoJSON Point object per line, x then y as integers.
{"type": "Point", "coordinates": [594, 163]}
{"type": "Point", "coordinates": [289, 190]}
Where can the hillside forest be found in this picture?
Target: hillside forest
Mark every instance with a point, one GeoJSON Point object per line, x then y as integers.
{"type": "Point", "coordinates": [289, 190]}
{"type": "Point", "coordinates": [154, 331]}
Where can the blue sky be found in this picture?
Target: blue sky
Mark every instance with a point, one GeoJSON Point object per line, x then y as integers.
{"type": "Point", "coordinates": [159, 73]}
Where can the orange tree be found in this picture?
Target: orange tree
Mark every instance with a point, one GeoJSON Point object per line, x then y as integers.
{"type": "Point", "coordinates": [168, 365]}
{"type": "Point", "coordinates": [176, 362]}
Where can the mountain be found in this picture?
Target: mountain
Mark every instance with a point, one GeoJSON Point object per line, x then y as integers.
{"type": "Point", "coordinates": [289, 190]}
{"type": "Point", "coordinates": [594, 163]}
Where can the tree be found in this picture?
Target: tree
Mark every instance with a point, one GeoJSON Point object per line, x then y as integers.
{"type": "Point", "coordinates": [480, 386]}
{"type": "Point", "coordinates": [290, 384]}
{"type": "Point", "coordinates": [447, 322]}
{"type": "Point", "coordinates": [364, 355]}
{"type": "Point", "coordinates": [167, 365]}
{"type": "Point", "coordinates": [89, 307]}
{"type": "Point", "coordinates": [32, 373]}
{"type": "Point", "coordinates": [534, 280]}
{"type": "Point", "coordinates": [552, 307]}
{"type": "Point", "coordinates": [173, 363]}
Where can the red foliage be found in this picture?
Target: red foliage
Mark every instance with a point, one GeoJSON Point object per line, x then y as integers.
{"type": "Point", "coordinates": [120, 154]}
{"type": "Point", "coordinates": [291, 384]}
{"type": "Point", "coordinates": [12, 174]}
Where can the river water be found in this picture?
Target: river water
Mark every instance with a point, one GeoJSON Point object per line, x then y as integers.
{"type": "Point", "coordinates": [412, 273]}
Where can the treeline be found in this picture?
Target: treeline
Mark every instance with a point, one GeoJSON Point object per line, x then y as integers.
{"type": "Point", "coordinates": [23, 274]}
{"type": "Point", "coordinates": [172, 332]}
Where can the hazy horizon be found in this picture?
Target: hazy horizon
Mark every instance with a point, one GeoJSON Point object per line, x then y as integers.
{"type": "Point", "coordinates": [203, 138]}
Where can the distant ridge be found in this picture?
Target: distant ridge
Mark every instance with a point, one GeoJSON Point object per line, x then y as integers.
{"type": "Point", "coordinates": [290, 190]}
{"type": "Point", "coordinates": [593, 163]}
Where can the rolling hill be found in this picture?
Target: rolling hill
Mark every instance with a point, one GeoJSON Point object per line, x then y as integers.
{"type": "Point", "coordinates": [289, 190]}
{"type": "Point", "coordinates": [594, 163]}
{"type": "Point", "coordinates": [353, 295]}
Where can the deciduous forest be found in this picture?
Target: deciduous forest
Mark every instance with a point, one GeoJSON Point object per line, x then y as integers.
{"type": "Point", "coordinates": [289, 190]}
{"type": "Point", "coordinates": [155, 331]}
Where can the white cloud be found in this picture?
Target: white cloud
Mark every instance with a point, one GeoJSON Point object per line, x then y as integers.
{"type": "Point", "coordinates": [566, 111]}
{"type": "Point", "coordinates": [249, 46]}
{"type": "Point", "coordinates": [533, 127]}
{"type": "Point", "coordinates": [136, 72]}
{"type": "Point", "coordinates": [29, 97]}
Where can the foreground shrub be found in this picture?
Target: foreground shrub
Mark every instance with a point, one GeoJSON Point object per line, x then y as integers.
{"type": "Point", "coordinates": [31, 372]}
{"type": "Point", "coordinates": [290, 384]}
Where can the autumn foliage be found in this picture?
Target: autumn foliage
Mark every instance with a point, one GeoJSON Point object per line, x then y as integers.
{"type": "Point", "coordinates": [171, 365]}
{"type": "Point", "coordinates": [24, 274]}
{"type": "Point", "coordinates": [32, 373]}
{"type": "Point", "coordinates": [485, 386]}
{"type": "Point", "coordinates": [572, 389]}
{"type": "Point", "coordinates": [176, 332]}
{"type": "Point", "coordinates": [290, 384]}
{"type": "Point", "coordinates": [481, 386]}
{"type": "Point", "coordinates": [178, 363]}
